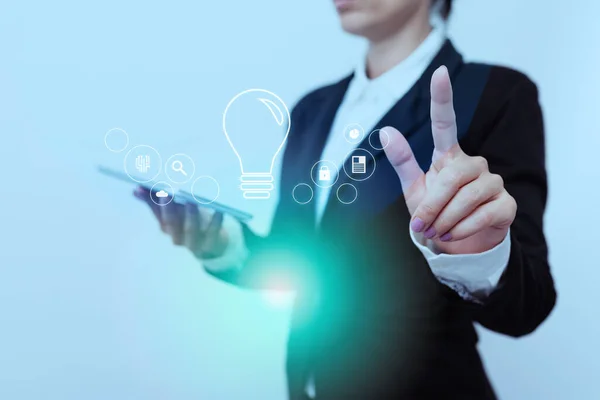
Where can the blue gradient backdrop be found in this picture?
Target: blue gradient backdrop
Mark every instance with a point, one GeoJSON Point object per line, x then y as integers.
{"type": "Point", "coordinates": [95, 303]}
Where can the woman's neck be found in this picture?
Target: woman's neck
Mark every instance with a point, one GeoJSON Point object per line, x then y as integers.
{"type": "Point", "coordinates": [388, 52]}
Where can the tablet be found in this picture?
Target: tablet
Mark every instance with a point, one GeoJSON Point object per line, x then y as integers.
{"type": "Point", "coordinates": [180, 196]}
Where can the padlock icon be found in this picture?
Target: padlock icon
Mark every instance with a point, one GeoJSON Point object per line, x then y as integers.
{"type": "Point", "coordinates": [324, 173]}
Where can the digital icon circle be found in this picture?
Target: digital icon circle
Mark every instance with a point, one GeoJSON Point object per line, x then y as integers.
{"type": "Point", "coordinates": [180, 168]}
{"type": "Point", "coordinates": [205, 189]}
{"type": "Point", "coordinates": [116, 140]}
{"type": "Point", "coordinates": [384, 139]}
{"type": "Point", "coordinates": [346, 193]}
{"type": "Point", "coordinates": [162, 193]}
{"type": "Point", "coordinates": [302, 193]}
{"type": "Point", "coordinates": [362, 165]}
{"type": "Point", "coordinates": [142, 163]}
{"type": "Point", "coordinates": [354, 133]}
{"type": "Point", "coordinates": [324, 173]}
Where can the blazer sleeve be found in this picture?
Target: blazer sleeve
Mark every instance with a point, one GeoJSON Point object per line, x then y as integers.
{"type": "Point", "coordinates": [515, 149]}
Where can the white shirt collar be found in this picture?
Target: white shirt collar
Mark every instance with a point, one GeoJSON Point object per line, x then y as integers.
{"type": "Point", "coordinates": [387, 84]}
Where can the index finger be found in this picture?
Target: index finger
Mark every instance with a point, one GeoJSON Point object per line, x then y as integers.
{"type": "Point", "coordinates": [443, 118]}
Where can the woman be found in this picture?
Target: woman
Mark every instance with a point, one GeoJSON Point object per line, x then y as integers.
{"type": "Point", "coordinates": [388, 287]}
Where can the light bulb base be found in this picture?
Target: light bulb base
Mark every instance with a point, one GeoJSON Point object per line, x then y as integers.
{"type": "Point", "coordinates": [257, 186]}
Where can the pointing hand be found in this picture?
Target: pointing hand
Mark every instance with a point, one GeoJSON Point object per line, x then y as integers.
{"type": "Point", "coordinates": [458, 203]}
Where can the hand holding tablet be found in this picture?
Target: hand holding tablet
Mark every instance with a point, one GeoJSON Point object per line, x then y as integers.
{"type": "Point", "coordinates": [187, 218]}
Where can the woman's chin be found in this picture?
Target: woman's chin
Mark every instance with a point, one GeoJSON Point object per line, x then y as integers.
{"type": "Point", "coordinates": [354, 25]}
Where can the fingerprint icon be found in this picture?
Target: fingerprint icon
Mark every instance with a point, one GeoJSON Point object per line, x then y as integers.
{"type": "Point", "coordinates": [142, 163]}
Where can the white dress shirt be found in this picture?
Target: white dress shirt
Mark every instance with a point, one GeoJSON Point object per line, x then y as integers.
{"type": "Point", "coordinates": [367, 100]}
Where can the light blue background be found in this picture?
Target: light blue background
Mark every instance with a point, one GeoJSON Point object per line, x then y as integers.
{"type": "Point", "coordinates": [95, 303]}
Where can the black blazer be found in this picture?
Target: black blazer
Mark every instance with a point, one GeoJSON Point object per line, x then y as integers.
{"type": "Point", "coordinates": [371, 321]}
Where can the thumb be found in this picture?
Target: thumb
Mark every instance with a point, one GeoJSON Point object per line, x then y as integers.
{"type": "Point", "coordinates": [401, 157]}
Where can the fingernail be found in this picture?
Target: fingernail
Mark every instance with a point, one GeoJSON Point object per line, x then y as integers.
{"type": "Point", "coordinates": [429, 233]}
{"type": "Point", "coordinates": [446, 237]}
{"type": "Point", "coordinates": [417, 224]}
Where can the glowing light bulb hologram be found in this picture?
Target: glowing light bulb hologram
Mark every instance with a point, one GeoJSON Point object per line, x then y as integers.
{"type": "Point", "coordinates": [254, 120]}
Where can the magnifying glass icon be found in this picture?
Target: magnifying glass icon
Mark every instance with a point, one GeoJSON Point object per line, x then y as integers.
{"type": "Point", "coordinates": [177, 166]}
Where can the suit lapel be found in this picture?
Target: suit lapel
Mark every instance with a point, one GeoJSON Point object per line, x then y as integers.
{"type": "Point", "coordinates": [314, 125]}
{"type": "Point", "coordinates": [321, 119]}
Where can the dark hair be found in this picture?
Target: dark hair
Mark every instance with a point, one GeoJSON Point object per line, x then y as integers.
{"type": "Point", "coordinates": [446, 8]}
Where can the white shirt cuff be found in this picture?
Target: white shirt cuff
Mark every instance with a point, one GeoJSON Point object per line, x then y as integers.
{"type": "Point", "coordinates": [236, 252]}
{"type": "Point", "coordinates": [473, 276]}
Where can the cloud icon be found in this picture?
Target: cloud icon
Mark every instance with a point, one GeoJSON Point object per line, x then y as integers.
{"type": "Point", "coordinates": [161, 194]}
